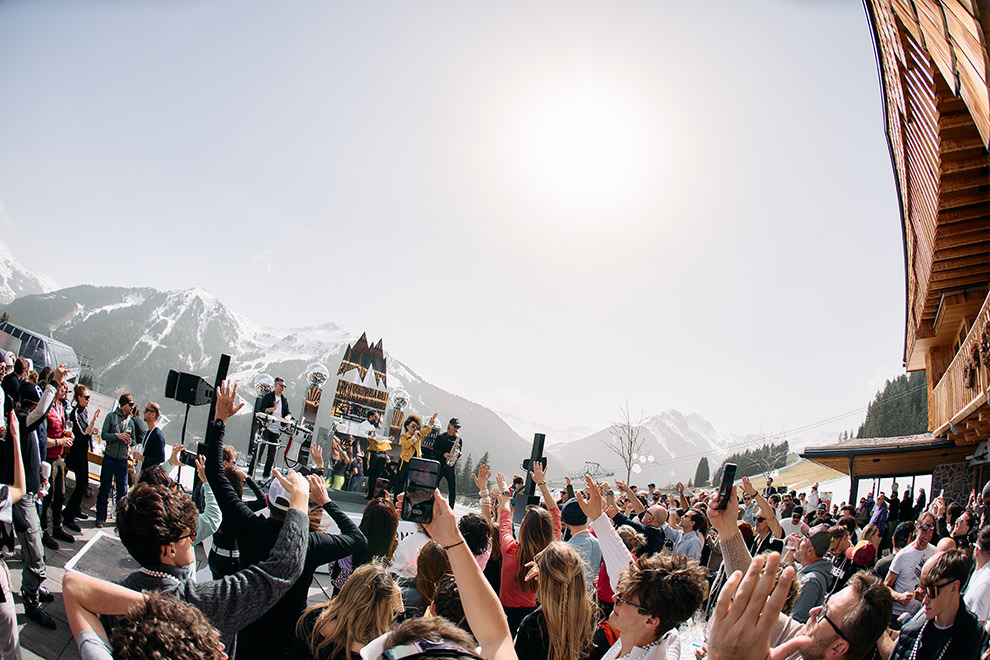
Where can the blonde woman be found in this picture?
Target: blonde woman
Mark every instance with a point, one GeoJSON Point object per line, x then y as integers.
{"type": "Point", "coordinates": [539, 528]}
{"type": "Point", "coordinates": [362, 611]}
{"type": "Point", "coordinates": [562, 626]}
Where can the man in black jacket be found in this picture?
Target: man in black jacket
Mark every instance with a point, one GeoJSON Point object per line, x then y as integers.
{"type": "Point", "coordinates": [275, 404]}
{"type": "Point", "coordinates": [273, 635]}
{"type": "Point", "coordinates": [443, 450]}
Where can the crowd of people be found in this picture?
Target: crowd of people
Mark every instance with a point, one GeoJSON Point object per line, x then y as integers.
{"type": "Point", "coordinates": [596, 570]}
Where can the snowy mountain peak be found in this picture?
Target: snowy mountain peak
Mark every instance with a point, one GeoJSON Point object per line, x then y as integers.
{"type": "Point", "coordinates": [17, 281]}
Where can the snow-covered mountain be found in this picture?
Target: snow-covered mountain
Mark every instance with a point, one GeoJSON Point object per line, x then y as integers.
{"type": "Point", "coordinates": [16, 280]}
{"type": "Point", "coordinates": [554, 436]}
{"type": "Point", "coordinates": [675, 441]}
{"type": "Point", "coordinates": [132, 337]}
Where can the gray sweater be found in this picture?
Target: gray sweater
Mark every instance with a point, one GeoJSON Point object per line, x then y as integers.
{"type": "Point", "coordinates": [234, 601]}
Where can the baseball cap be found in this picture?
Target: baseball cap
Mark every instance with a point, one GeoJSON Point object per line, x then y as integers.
{"type": "Point", "coordinates": [8, 359]}
{"type": "Point", "coordinates": [861, 554]}
{"type": "Point", "coordinates": [797, 511]}
{"type": "Point", "coordinates": [822, 506]}
{"type": "Point", "coordinates": [821, 540]}
{"type": "Point", "coordinates": [278, 496]}
{"type": "Point", "coordinates": [455, 422]}
{"type": "Point", "coordinates": [30, 393]}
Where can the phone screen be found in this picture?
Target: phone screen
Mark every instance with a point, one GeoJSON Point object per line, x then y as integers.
{"type": "Point", "coordinates": [417, 505]}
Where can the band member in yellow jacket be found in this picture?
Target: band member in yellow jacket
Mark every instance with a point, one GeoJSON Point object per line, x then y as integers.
{"type": "Point", "coordinates": [410, 441]}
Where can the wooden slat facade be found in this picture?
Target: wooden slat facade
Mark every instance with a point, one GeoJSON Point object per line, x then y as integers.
{"type": "Point", "coordinates": [934, 70]}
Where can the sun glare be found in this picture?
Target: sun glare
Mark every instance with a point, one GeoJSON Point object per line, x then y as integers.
{"type": "Point", "coordinates": [584, 145]}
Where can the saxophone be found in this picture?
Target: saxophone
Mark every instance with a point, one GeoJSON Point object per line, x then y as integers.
{"type": "Point", "coordinates": [455, 451]}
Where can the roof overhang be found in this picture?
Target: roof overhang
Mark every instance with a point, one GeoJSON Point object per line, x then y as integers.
{"type": "Point", "coordinates": [888, 457]}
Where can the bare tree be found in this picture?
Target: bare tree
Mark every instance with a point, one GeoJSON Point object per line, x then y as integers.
{"type": "Point", "coordinates": [625, 438]}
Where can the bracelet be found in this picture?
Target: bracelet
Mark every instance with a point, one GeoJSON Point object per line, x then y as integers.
{"type": "Point", "coordinates": [483, 493]}
{"type": "Point", "coordinates": [448, 547]}
{"type": "Point", "coordinates": [485, 501]}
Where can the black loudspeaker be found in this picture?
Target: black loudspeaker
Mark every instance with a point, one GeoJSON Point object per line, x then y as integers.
{"type": "Point", "coordinates": [188, 388]}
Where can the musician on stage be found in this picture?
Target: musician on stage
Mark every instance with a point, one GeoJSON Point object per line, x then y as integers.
{"type": "Point", "coordinates": [446, 449]}
{"type": "Point", "coordinates": [376, 456]}
{"type": "Point", "coordinates": [411, 446]}
{"type": "Point", "coordinates": [276, 405]}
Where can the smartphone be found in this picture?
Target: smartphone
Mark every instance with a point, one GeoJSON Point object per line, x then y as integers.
{"type": "Point", "coordinates": [381, 487]}
{"type": "Point", "coordinates": [725, 488]}
{"type": "Point", "coordinates": [187, 457]}
{"type": "Point", "coordinates": [417, 505]}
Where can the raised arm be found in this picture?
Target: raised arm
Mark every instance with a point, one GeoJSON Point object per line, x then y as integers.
{"type": "Point", "coordinates": [683, 499]}
{"type": "Point", "coordinates": [328, 547]}
{"type": "Point", "coordinates": [235, 513]}
{"type": "Point", "coordinates": [633, 497]}
{"type": "Point", "coordinates": [17, 489]}
{"type": "Point", "coordinates": [481, 606]}
{"type": "Point", "coordinates": [481, 481]}
{"type": "Point", "coordinates": [88, 597]}
{"type": "Point", "coordinates": [538, 474]}
{"type": "Point", "coordinates": [614, 551]}
{"type": "Point", "coordinates": [765, 508]}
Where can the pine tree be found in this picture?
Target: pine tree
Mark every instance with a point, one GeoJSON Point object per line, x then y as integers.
{"type": "Point", "coordinates": [701, 475]}
{"type": "Point", "coordinates": [484, 460]}
{"type": "Point", "coordinates": [465, 476]}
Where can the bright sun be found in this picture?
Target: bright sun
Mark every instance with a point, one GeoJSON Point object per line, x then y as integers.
{"type": "Point", "coordinates": [584, 145]}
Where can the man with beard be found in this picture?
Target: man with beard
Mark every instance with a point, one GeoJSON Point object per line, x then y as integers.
{"type": "Point", "coordinates": [846, 625]}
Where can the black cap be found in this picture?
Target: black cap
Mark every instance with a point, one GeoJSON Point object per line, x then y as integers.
{"type": "Point", "coordinates": [455, 422]}
{"type": "Point", "coordinates": [30, 393]}
{"type": "Point", "coordinates": [797, 511]}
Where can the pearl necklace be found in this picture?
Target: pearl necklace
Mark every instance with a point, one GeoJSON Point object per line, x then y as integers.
{"type": "Point", "coordinates": [917, 645]}
{"type": "Point", "coordinates": [643, 651]}
{"type": "Point", "coordinates": [161, 576]}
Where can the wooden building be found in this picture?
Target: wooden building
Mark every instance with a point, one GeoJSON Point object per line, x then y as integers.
{"type": "Point", "coordinates": [934, 70]}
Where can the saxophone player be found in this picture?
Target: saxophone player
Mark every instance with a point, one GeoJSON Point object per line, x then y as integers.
{"type": "Point", "coordinates": [446, 451]}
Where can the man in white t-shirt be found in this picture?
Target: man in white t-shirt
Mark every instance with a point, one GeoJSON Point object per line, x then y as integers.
{"type": "Point", "coordinates": [977, 596]}
{"type": "Point", "coordinates": [905, 569]}
{"type": "Point", "coordinates": [795, 524]}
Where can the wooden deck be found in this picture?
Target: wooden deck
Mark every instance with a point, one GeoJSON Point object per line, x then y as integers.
{"type": "Point", "coordinates": [40, 642]}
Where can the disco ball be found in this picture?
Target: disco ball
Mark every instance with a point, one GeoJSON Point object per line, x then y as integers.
{"type": "Point", "coordinates": [317, 374]}
{"type": "Point", "coordinates": [263, 384]}
{"type": "Point", "coordinates": [650, 458]}
{"type": "Point", "coordinates": [635, 457]}
{"type": "Point", "coordinates": [642, 459]}
{"type": "Point", "coordinates": [398, 399]}
{"type": "Point", "coordinates": [636, 468]}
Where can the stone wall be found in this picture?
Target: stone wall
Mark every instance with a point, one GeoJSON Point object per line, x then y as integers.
{"type": "Point", "coordinates": [956, 479]}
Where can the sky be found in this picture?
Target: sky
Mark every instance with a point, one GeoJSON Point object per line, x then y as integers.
{"type": "Point", "coordinates": [549, 208]}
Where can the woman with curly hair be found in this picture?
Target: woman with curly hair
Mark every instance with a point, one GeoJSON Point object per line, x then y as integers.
{"type": "Point", "coordinates": [539, 527]}
{"type": "Point", "coordinates": [562, 626]}
{"type": "Point", "coordinates": [362, 611]}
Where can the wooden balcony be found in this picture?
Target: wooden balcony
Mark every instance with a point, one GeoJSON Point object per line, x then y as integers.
{"type": "Point", "coordinates": [957, 405]}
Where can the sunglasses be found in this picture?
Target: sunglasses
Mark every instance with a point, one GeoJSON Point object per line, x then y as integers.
{"type": "Point", "coordinates": [639, 608]}
{"type": "Point", "coordinates": [191, 535]}
{"type": "Point", "coordinates": [927, 528]}
{"type": "Point", "coordinates": [823, 615]}
{"type": "Point", "coordinates": [933, 589]}
{"type": "Point", "coordinates": [85, 396]}
{"type": "Point", "coordinates": [760, 519]}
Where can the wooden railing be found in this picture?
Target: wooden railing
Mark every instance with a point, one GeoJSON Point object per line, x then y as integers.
{"type": "Point", "coordinates": [961, 389]}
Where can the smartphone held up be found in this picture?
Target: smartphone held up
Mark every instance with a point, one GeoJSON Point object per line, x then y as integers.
{"type": "Point", "coordinates": [417, 505]}
{"type": "Point", "coordinates": [725, 487]}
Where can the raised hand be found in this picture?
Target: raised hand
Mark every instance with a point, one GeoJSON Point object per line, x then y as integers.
{"type": "Point", "coordinates": [593, 505]}
{"type": "Point", "coordinates": [481, 479]}
{"type": "Point", "coordinates": [538, 473]}
{"type": "Point", "coordinates": [744, 617]}
{"type": "Point", "coordinates": [201, 468]}
{"type": "Point", "coordinates": [726, 522]}
{"type": "Point", "coordinates": [317, 454]}
{"type": "Point", "coordinates": [611, 511]}
{"type": "Point", "coordinates": [533, 573]}
{"type": "Point", "coordinates": [318, 490]}
{"type": "Point", "coordinates": [747, 487]}
{"type": "Point", "coordinates": [225, 400]}
{"type": "Point", "coordinates": [443, 527]}
{"type": "Point", "coordinates": [59, 374]}
{"type": "Point", "coordinates": [298, 489]}
{"type": "Point", "coordinates": [500, 481]}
